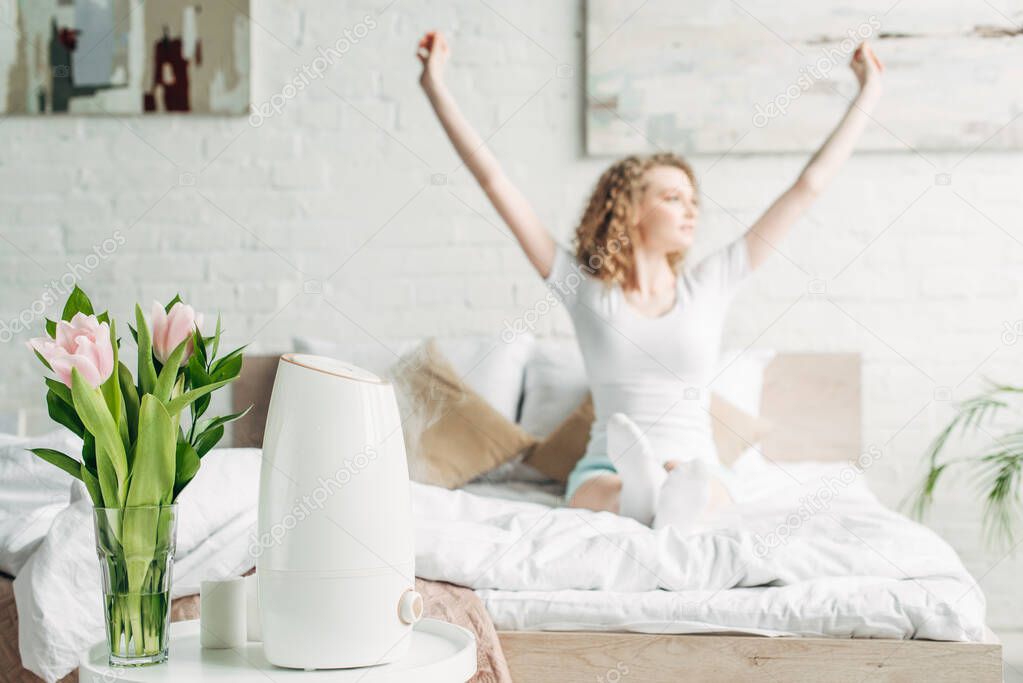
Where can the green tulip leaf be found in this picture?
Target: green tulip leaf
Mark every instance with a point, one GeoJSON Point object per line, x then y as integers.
{"type": "Point", "coordinates": [92, 486]}
{"type": "Point", "coordinates": [147, 370]}
{"type": "Point", "coordinates": [152, 481]}
{"type": "Point", "coordinates": [62, 390]}
{"type": "Point", "coordinates": [43, 360]}
{"type": "Point", "coordinates": [170, 304]}
{"type": "Point", "coordinates": [205, 442]}
{"type": "Point", "coordinates": [77, 302]}
{"type": "Point", "coordinates": [111, 389]}
{"type": "Point", "coordinates": [187, 465]}
{"type": "Point", "coordinates": [178, 404]}
{"type": "Point", "coordinates": [89, 453]}
{"type": "Point", "coordinates": [63, 413]}
{"type": "Point", "coordinates": [111, 459]}
{"type": "Point", "coordinates": [61, 460]}
{"type": "Point", "coordinates": [169, 372]}
{"type": "Point", "coordinates": [217, 364]}
{"type": "Point", "coordinates": [131, 400]}
{"type": "Point", "coordinates": [216, 339]}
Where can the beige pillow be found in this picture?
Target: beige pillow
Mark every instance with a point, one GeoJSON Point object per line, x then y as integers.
{"type": "Point", "coordinates": [452, 435]}
{"type": "Point", "coordinates": [734, 431]}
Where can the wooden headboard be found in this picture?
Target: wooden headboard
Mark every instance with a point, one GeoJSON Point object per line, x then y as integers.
{"type": "Point", "coordinates": [811, 399]}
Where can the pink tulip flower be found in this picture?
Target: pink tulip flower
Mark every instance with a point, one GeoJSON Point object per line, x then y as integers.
{"type": "Point", "coordinates": [83, 343]}
{"type": "Point", "coordinates": [170, 329]}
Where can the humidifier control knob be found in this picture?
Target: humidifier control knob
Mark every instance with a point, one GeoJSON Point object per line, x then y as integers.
{"type": "Point", "coordinates": [410, 607]}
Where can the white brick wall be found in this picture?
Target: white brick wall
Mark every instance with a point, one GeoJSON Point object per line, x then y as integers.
{"type": "Point", "coordinates": [336, 189]}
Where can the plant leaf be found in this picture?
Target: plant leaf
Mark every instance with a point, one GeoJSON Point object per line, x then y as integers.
{"type": "Point", "coordinates": [206, 425]}
{"type": "Point", "coordinates": [147, 370]}
{"type": "Point", "coordinates": [61, 460]}
{"type": "Point", "coordinates": [199, 344]}
{"type": "Point", "coordinates": [92, 486]}
{"type": "Point", "coordinates": [208, 439]}
{"type": "Point", "coordinates": [152, 484]}
{"type": "Point", "coordinates": [176, 405]}
{"type": "Point", "coordinates": [169, 372]}
{"type": "Point", "coordinates": [63, 414]}
{"type": "Point", "coordinates": [216, 339]}
{"type": "Point", "coordinates": [152, 481]}
{"type": "Point", "coordinates": [42, 360]}
{"type": "Point", "coordinates": [170, 304]}
{"type": "Point", "coordinates": [187, 464]}
{"type": "Point", "coordinates": [77, 302]}
{"type": "Point", "coordinates": [51, 328]}
{"type": "Point", "coordinates": [62, 390]}
{"type": "Point", "coordinates": [89, 453]}
{"type": "Point", "coordinates": [111, 389]}
{"type": "Point", "coordinates": [228, 370]}
{"type": "Point", "coordinates": [131, 400]}
{"type": "Point", "coordinates": [217, 364]}
{"type": "Point", "coordinates": [111, 459]}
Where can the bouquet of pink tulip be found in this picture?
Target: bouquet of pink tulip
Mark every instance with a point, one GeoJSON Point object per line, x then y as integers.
{"type": "Point", "coordinates": [137, 456]}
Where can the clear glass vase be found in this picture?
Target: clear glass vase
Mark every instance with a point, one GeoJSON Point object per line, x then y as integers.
{"type": "Point", "coordinates": [136, 555]}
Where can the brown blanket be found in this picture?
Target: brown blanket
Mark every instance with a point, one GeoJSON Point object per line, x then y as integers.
{"type": "Point", "coordinates": [445, 601]}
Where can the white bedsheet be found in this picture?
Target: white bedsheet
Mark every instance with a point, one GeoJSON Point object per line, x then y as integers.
{"type": "Point", "coordinates": [850, 567]}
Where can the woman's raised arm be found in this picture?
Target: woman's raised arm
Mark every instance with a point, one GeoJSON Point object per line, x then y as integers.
{"type": "Point", "coordinates": [509, 202]}
{"type": "Point", "coordinates": [823, 165]}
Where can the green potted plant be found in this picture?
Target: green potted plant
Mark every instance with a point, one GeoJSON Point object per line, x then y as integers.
{"type": "Point", "coordinates": [997, 469]}
{"type": "Point", "coordinates": [138, 449]}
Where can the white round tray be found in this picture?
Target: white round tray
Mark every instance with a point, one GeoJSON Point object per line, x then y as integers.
{"type": "Point", "coordinates": [439, 653]}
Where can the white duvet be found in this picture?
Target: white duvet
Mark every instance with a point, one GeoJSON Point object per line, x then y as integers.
{"type": "Point", "coordinates": [848, 567]}
{"type": "Point", "coordinates": [852, 568]}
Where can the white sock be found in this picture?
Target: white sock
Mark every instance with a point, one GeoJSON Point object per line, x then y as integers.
{"type": "Point", "coordinates": [694, 496]}
{"type": "Point", "coordinates": [683, 498]}
{"type": "Point", "coordinates": [642, 475]}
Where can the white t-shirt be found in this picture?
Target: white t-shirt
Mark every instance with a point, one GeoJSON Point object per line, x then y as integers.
{"type": "Point", "coordinates": [655, 370]}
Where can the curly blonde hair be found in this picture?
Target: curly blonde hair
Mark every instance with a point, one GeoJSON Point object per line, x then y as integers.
{"type": "Point", "coordinates": [604, 238]}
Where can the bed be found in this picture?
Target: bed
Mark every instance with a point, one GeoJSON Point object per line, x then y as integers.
{"type": "Point", "coordinates": [813, 399]}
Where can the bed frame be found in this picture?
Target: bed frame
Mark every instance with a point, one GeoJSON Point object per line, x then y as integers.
{"type": "Point", "coordinates": [813, 402]}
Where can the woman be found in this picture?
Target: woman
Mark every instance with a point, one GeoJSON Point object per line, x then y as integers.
{"type": "Point", "coordinates": [648, 324]}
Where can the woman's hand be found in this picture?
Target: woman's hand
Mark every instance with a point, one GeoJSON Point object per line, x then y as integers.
{"type": "Point", "coordinates": [776, 222]}
{"type": "Point", "coordinates": [868, 68]}
{"type": "Point", "coordinates": [433, 52]}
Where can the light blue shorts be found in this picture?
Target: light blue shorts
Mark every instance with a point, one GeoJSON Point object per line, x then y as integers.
{"type": "Point", "coordinates": [588, 467]}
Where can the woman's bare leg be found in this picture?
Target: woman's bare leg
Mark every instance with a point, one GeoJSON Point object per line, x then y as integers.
{"type": "Point", "coordinates": [599, 493]}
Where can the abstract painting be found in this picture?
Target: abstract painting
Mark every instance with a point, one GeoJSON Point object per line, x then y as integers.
{"type": "Point", "coordinates": [124, 57]}
{"type": "Point", "coordinates": [746, 76]}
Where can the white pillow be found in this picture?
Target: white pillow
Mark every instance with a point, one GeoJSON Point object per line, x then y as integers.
{"type": "Point", "coordinates": [555, 385]}
{"type": "Point", "coordinates": [490, 366]}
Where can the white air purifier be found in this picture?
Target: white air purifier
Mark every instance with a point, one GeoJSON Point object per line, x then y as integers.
{"type": "Point", "coordinates": [336, 565]}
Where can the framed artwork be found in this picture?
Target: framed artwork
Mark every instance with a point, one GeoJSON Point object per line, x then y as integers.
{"type": "Point", "coordinates": [705, 76]}
{"type": "Point", "coordinates": [124, 57]}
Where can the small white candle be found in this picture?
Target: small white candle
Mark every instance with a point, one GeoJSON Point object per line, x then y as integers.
{"type": "Point", "coordinates": [222, 613]}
